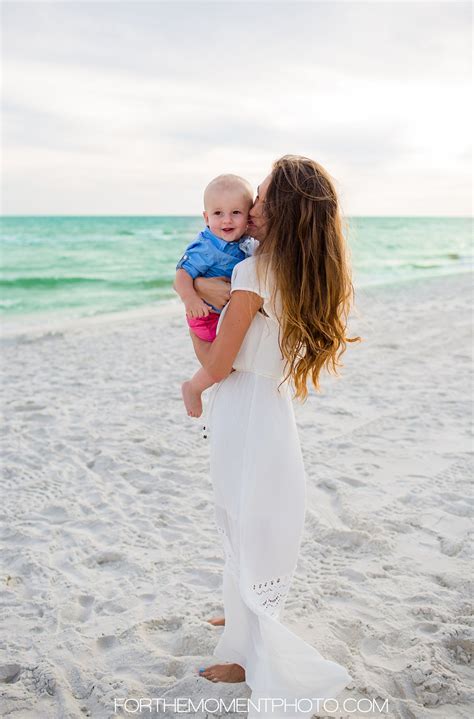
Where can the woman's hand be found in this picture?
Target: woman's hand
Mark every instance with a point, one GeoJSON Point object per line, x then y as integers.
{"type": "Point", "coordinates": [214, 290]}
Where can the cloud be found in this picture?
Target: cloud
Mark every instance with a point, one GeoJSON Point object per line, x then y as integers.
{"type": "Point", "coordinates": [151, 99]}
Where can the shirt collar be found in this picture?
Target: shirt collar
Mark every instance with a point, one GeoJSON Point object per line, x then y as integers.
{"type": "Point", "coordinates": [216, 241]}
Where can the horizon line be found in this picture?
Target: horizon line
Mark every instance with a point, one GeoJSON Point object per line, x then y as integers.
{"type": "Point", "coordinates": [70, 215]}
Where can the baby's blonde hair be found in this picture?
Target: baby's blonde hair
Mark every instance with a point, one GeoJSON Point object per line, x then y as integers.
{"type": "Point", "coordinates": [229, 182]}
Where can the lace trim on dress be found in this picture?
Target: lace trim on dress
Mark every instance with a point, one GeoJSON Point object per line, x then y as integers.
{"type": "Point", "coordinates": [271, 595]}
{"type": "Point", "coordinates": [268, 596]}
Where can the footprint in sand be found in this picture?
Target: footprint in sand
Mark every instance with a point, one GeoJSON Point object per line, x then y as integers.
{"type": "Point", "coordinates": [111, 607]}
{"type": "Point", "coordinates": [39, 678]}
{"type": "Point", "coordinates": [177, 638]}
{"type": "Point", "coordinates": [351, 481]}
{"type": "Point", "coordinates": [86, 600]}
{"type": "Point", "coordinates": [9, 673]}
{"type": "Point", "coordinates": [427, 627]}
{"type": "Point", "coordinates": [450, 547]}
{"type": "Point", "coordinates": [431, 686]}
{"type": "Point", "coordinates": [460, 642]}
{"type": "Point", "coordinates": [106, 557]}
{"type": "Point", "coordinates": [107, 642]}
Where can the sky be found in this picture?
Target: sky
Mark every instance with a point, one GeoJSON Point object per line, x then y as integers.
{"type": "Point", "coordinates": [130, 108]}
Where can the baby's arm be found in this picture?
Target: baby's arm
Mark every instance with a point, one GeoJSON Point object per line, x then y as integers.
{"type": "Point", "coordinates": [184, 286]}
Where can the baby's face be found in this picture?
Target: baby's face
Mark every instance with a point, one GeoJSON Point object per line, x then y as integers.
{"type": "Point", "coordinates": [227, 213]}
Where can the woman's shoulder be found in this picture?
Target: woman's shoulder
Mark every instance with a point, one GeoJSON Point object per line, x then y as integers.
{"type": "Point", "coordinates": [250, 274]}
{"type": "Point", "coordinates": [244, 268]}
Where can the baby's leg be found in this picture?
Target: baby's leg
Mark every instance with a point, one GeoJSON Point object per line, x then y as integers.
{"type": "Point", "coordinates": [192, 391]}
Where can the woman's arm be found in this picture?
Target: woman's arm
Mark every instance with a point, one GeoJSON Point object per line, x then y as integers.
{"type": "Point", "coordinates": [215, 290]}
{"type": "Point", "coordinates": [218, 357]}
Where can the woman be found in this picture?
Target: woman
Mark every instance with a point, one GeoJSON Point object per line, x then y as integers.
{"type": "Point", "coordinates": [285, 321]}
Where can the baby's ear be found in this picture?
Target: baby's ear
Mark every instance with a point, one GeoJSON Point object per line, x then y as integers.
{"type": "Point", "coordinates": [206, 218]}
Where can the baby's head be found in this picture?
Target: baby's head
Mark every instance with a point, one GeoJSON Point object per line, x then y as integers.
{"type": "Point", "coordinates": [227, 201]}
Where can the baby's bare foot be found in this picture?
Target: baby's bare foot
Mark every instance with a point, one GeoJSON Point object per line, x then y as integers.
{"type": "Point", "coordinates": [192, 399]}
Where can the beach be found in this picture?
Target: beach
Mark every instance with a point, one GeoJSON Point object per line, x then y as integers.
{"type": "Point", "coordinates": [110, 555]}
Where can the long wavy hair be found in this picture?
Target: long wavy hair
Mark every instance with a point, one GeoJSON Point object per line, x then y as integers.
{"type": "Point", "coordinates": [306, 251]}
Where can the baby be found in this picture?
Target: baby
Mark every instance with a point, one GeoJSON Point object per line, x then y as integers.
{"type": "Point", "coordinates": [213, 253]}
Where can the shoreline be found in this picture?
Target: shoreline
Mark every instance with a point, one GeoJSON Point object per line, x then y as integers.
{"type": "Point", "coordinates": [35, 326]}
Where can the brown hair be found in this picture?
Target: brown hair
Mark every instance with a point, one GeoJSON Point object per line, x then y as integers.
{"type": "Point", "coordinates": [306, 252]}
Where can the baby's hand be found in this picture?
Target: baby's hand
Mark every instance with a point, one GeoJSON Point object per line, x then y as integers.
{"type": "Point", "coordinates": [195, 307]}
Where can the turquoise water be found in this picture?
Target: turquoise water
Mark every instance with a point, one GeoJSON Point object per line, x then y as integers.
{"type": "Point", "coordinates": [79, 266]}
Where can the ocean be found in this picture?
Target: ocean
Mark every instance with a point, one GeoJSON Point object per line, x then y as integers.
{"type": "Point", "coordinates": [70, 267]}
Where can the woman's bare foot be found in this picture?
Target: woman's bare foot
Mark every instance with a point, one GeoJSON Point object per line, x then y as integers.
{"type": "Point", "coordinates": [230, 673]}
{"type": "Point", "coordinates": [217, 621]}
{"type": "Point", "coordinates": [192, 399]}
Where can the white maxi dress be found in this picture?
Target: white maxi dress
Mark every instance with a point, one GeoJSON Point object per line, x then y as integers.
{"type": "Point", "coordinates": [258, 481]}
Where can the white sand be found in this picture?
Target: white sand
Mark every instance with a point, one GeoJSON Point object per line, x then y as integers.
{"type": "Point", "coordinates": [111, 561]}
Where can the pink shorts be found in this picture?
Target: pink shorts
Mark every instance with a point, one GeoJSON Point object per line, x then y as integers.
{"type": "Point", "coordinates": [204, 327]}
